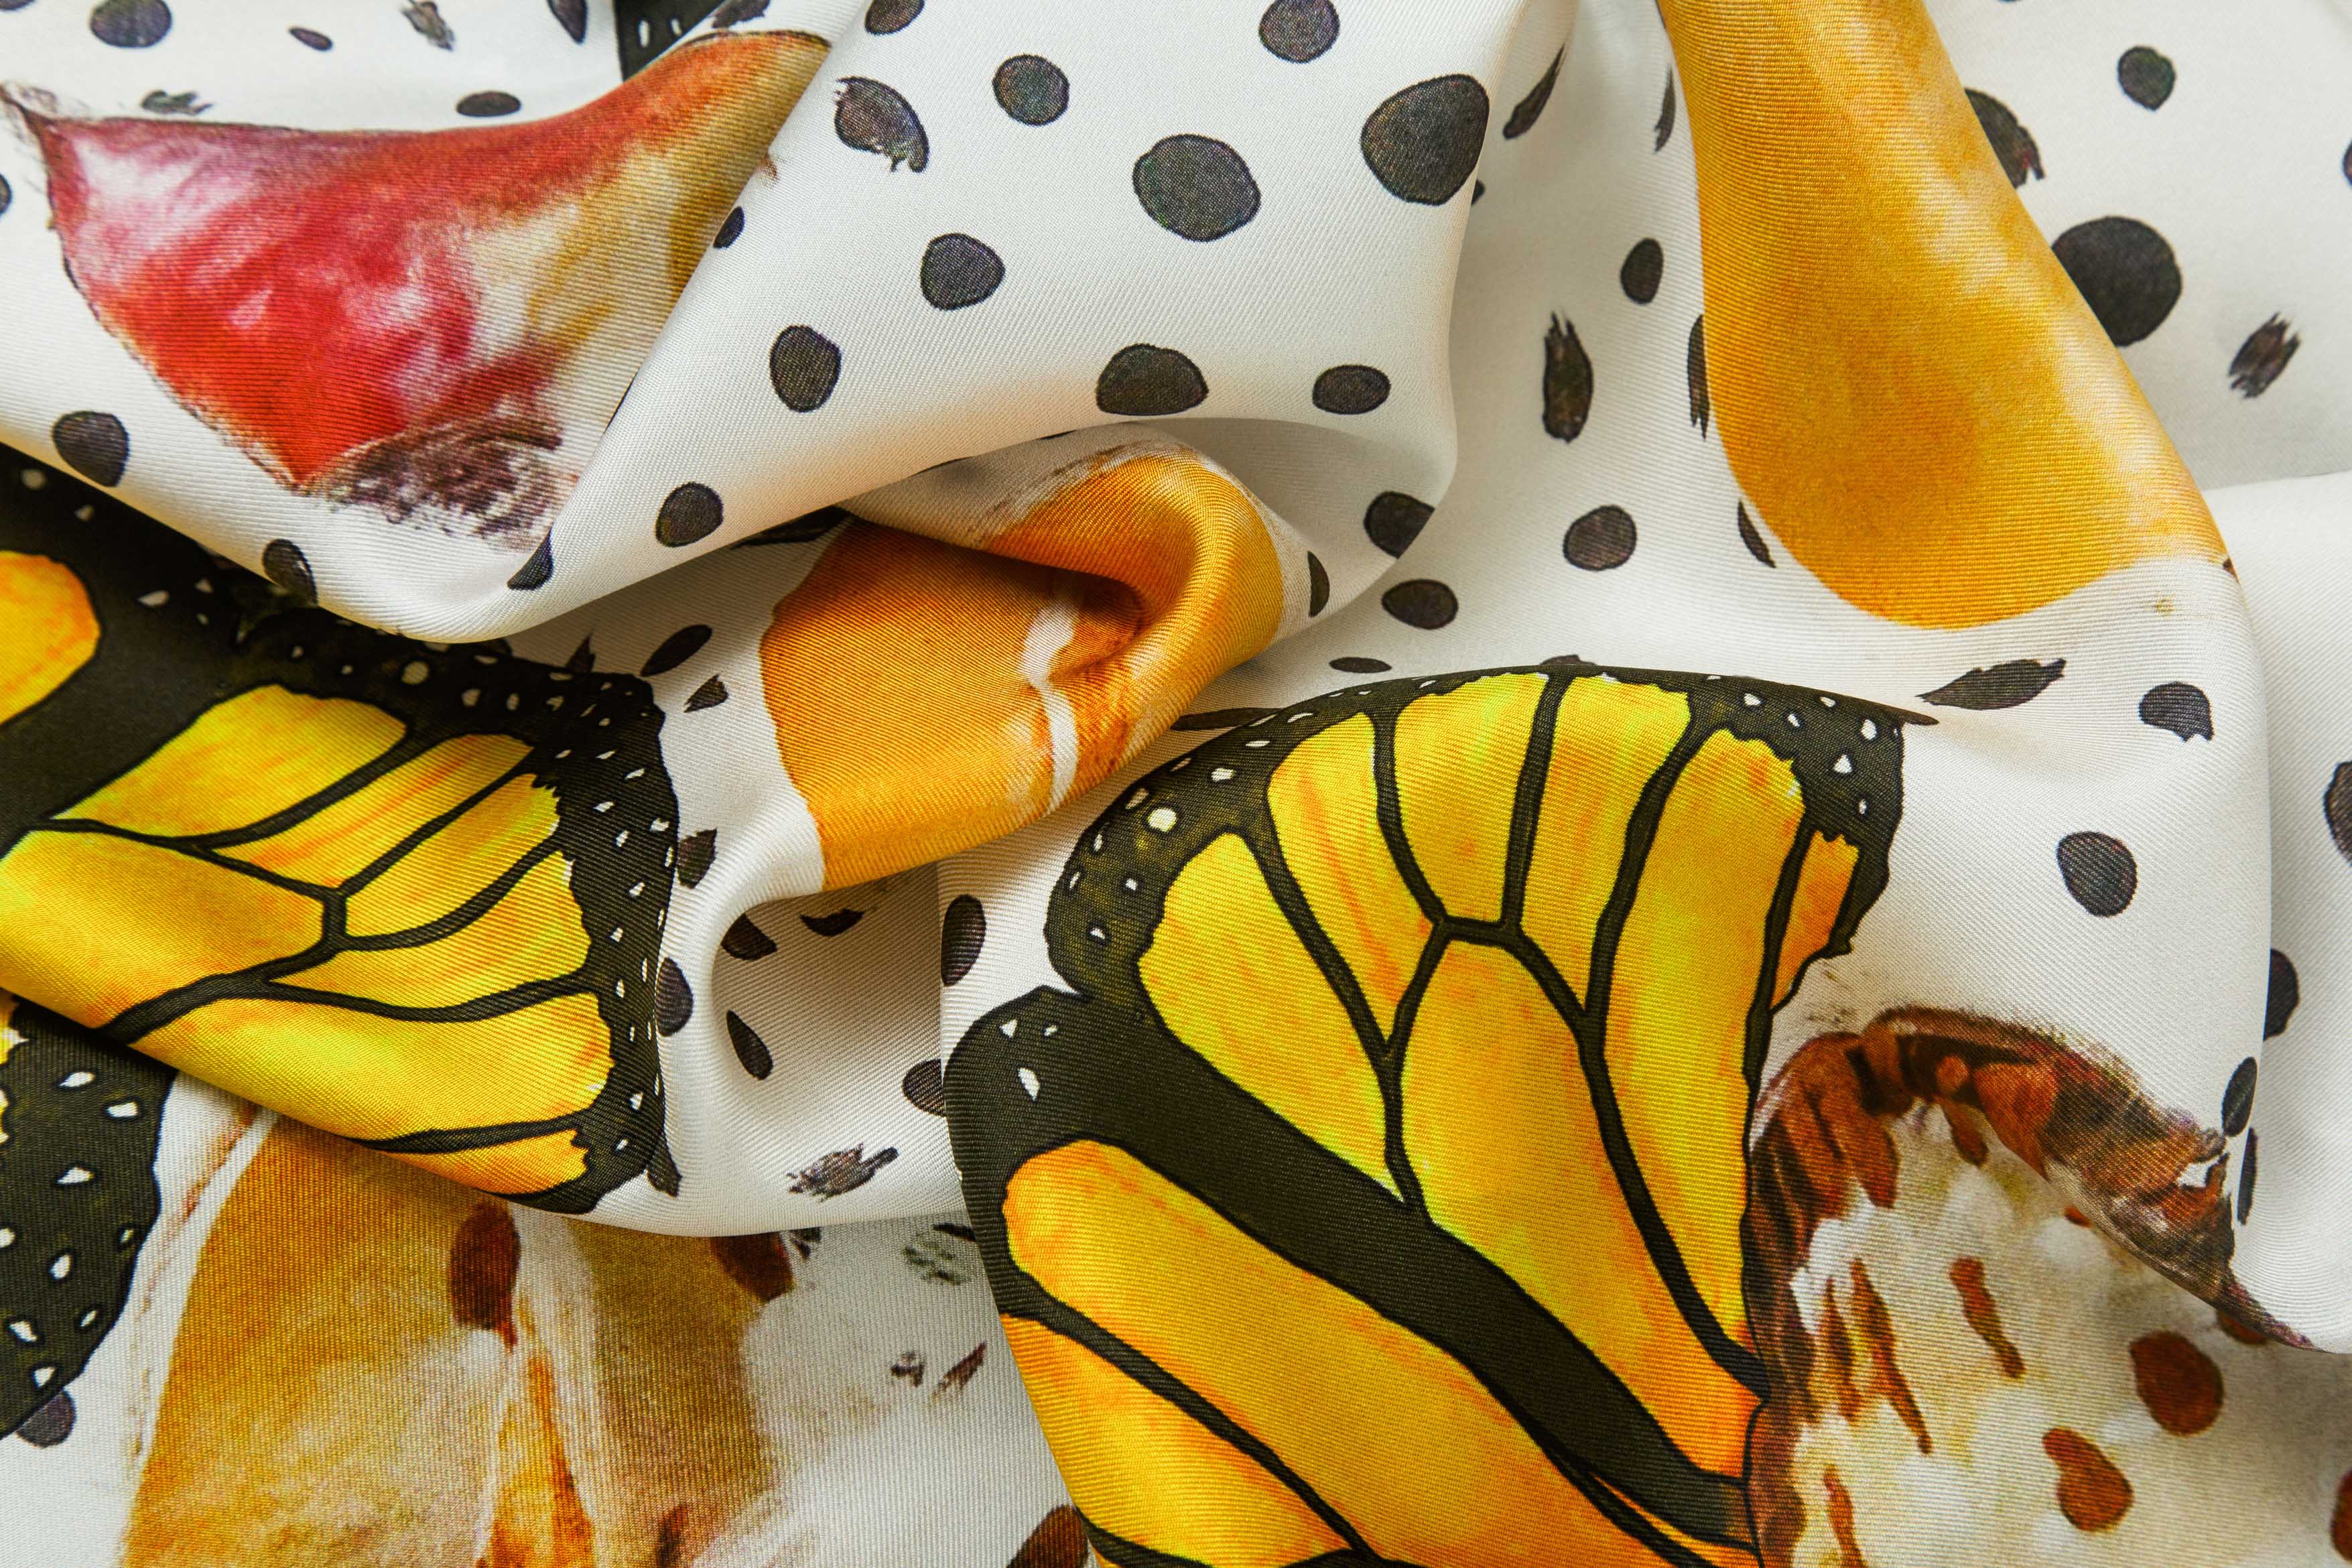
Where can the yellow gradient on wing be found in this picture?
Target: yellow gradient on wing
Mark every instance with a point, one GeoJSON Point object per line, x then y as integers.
{"type": "Point", "coordinates": [47, 629]}
{"type": "Point", "coordinates": [1821, 882]}
{"type": "Point", "coordinates": [1685, 976]}
{"type": "Point", "coordinates": [1324, 804]}
{"type": "Point", "coordinates": [526, 1165]}
{"type": "Point", "coordinates": [1232, 981]}
{"type": "Point", "coordinates": [368, 1077]}
{"type": "Point", "coordinates": [95, 924]}
{"type": "Point", "coordinates": [1144, 1470]}
{"type": "Point", "coordinates": [1911, 392]}
{"type": "Point", "coordinates": [1499, 1126]}
{"type": "Point", "coordinates": [532, 933]}
{"type": "Point", "coordinates": [468, 854]}
{"type": "Point", "coordinates": [1610, 740]}
{"type": "Point", "coordinates": [339, 840]}
{"type": "Point", "coordinates": [258, 753]}
{"type": "Point", "coordinates": [1397, 1436]}
{"type": "Point", "coordinates": [1458, 756]}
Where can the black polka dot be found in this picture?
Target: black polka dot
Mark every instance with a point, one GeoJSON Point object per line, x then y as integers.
{"type": "Point", "coordinates": [2337, 803]}
{"type": "Point", "coordinates": [1422, 142]}
{"type": "Point", "coordinates": [1528, 109]}
{"type": "Point", "coordinates": [1395, 519]}
{"type": "Point", "coordinates": [488, 105]}
{"type": "Point", "coordinates": [963, 931]}
{"type": "Point", "coordinates": [2260, 358]}
{"type": "Point", "coordinates": [2178, 707]}
{"type": "Point", "coordinates": [710, 694]}
{"type": "Point", "coordinates": [1318, 585]}
{"type": "Point", "coordinates": [1423, 602]}
{"type": "Point", "coordinates": [1195, 186]}
{"type": "Point", "coordinates": [2145, 76]}
{"type": "Point", "coordinates": [2099, 871]}
{"type": "Point", "coordinates": [1032, 90]}
{"type": "Point", "coordinates": [2246, 1179]}
{"type": "Point", "coordinates": [803, 365]}
{"type": "Point", "coordinates": [2237, 1099]}
{"type": "Point", "coordinates": [2012, 145]}
{"type": "Point", "coordinates": [959, 270]}
{"type": "Point", "coordinates": [1477, 192]}
{"type": "Point", "coordinates": [925, 1087]}
{"type": "Point", "coordinates": [1567, 381]}
{"type": "Point", "coordinates": [2009, 684]}
{"type": "Point", "coordinates": [695, 852]}
{"type": "Point", "coordinates": [673, 998]}
{"type": "Point", "coordinates": [675, 649]}
{"type": "Point", "coordinates": [889, 16]}
{"type": "Point", "coordinates": [871, 117]}
{"type": "Point", "coordinates": [1600, 539]}
{"type": "Point", "coordinates": [1355, 665]}
{"type": "Point", "coordinates": [1750, 537]}
{"type": "Point", "coordinates": [535, 571]}
{"type": "Point", "coordinates": [131, 24]}
{"type": "Point", "coordinates": [1664, 129]}
{"type": "Point", "coordinates": [51, 1423]}
{"type": "Point", "coordinates": [735, 13]}
{"type": "Point", "coordinates": [746, 941]}
{"type": "Point", "coordinates": [1350, 389]}
{"type": "Point", "coordinates": [691, 513]}
{"type": "Point", "coordinates": [283, 563]}
{"type": "Point", "coordinates": [834, 922]}
{"type": "Point", "coordinates": [571, 16]}
{"type": "Point", "coordinates": [1298, 30]}
{"type": "Point", "coordinates": [749, 1048]}
{"type": "Point", "coordinates": [1645, 264]}
{"type": "Point", "coordinates": [730, 230]}
{"type": "Point", "coordinates": [1695, 367]}
{"type": "Point", "coordinates": [1144, 381]}
{"type": "Point", "coordinates": [93, 444]}
{"type": "Point", "coordinates": [2286, 992]}
{"type": "Point", "coordinates": [310, 38]}
{"type": "Point", "coordinates": [2126, 272]}
{"type": "Point", "coordinates": [6, 196]}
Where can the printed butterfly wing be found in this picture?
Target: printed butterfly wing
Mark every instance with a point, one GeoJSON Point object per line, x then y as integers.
{"type": "Point", "coordinates": [409, 893]}
{"type": "Point", "coordinates": [1376, 1195]}
{"type": "Point", "coordinates": [78, 1122]}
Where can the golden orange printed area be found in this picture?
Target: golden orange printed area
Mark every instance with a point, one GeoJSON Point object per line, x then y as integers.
{"type": "Point", "coordinates": [1910, 390]}
{"type": "Point", "coordinates": [438, 1380]}
{"type": "Point", "coordinates": [472, 1014]}
{"type": "Point", "coordinates": [47, 629]}
{"type": "Point", "coordinates": [927, 697]}
{"type": "Point", "coordinates": [1399, 1438]}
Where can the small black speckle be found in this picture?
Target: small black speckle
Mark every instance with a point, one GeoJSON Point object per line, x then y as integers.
{"type": "Point", "coordinates": [310, 38]}
{"type": "Point", "coordinates": [1395, 519]}
{"type": "Point", "coordinates": [963, 931]}
{"type": "Point", "coordinates": [673, 998]}
{"type": "Point", "coordinates": [1666, 126]}
{"type": "Point", "coordinates": [1696, 367]}
{"type": "Point", "coordinates": [2286, 992]}
{"type": "Point", "coordinates": [1144, 381]}
{"type": "Point", "coordinates": [749, 1048]}
{"type": "Point", "coordinates": [2178, 707]}
{"type": "Point", "coordinates": [2260, 358]}
{"type": "Point", "coordinates": [675, 649]}
{"type": "Point", "coordinates": [2099, 871]}
{"type": "Point", "coordinates": [690, 514]}
{"type": "Point", "coordinates": [1032, 90]}
{"type": "Point", "coordinates": [1600, 540]}
{"type": "Point", "coordinates": [1567, 381]}
{"type": "Point", "coordinates": [1350, 389]}
{"type": "Point", "coordinates": [1298, 30]}
{"type": "Point", "coordinates": [746, 941]}
{"type": "Point", "coordinates": [1421, 602]}
{"type": "Point", "coordinates": [959, 270]}
{"type": "Point", "coordinates": [2145, 76]}
{"type": "Point", "coordinates": [1644, 265]}
{"type": "Point", "coordinates": [487, 105]}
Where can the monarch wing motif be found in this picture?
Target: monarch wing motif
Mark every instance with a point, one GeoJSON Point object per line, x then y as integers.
{"type": "Point", "coordinates": [412, 894]}
{"type": "Point", "coordinates": [1376, 1196]}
